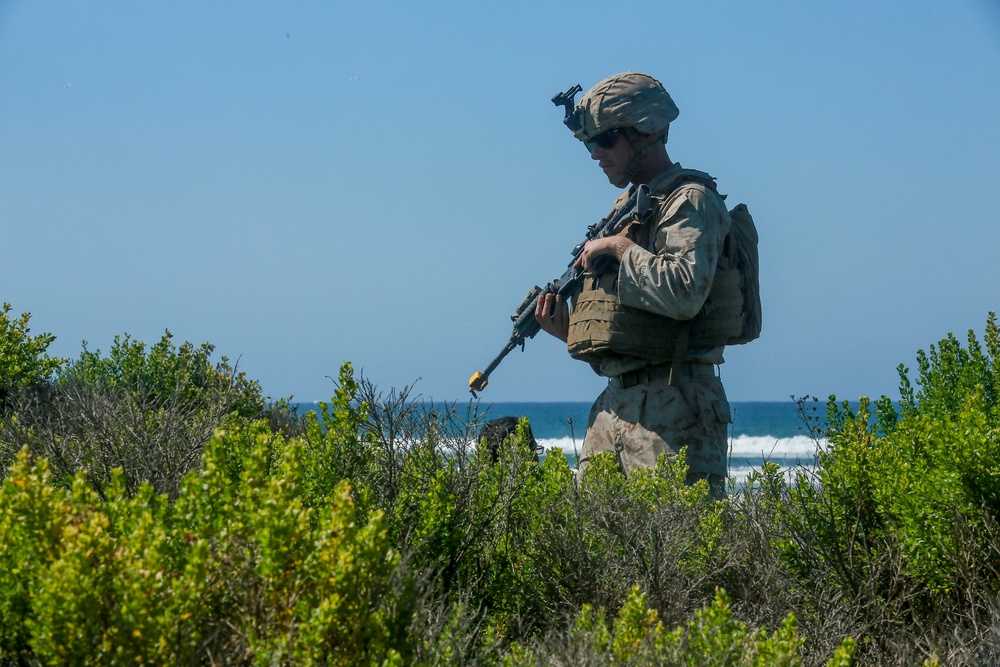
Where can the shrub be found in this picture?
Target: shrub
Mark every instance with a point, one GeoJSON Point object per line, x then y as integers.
{"type": "Point", "coordinates": [638, 637]}
{"type": "Point", "coordinates": [166, 373]}
{"type": "Point", "coordinates": [465, 518]}
{"type": "Point", "coordinates": [235, 568]}
{"type": "Point", "coordinates": [24, 361]}
{"type": "Point", "coordinates": [339, 447]}
{"type": "Point", "coordinates": [149, 412]}
{"type": "Point", "coordinates": [267, 556]}
{"type": "Point", "coordinates": [381, 532]}
{"type": "Point", "coordinates": [593, 541]}
{"type": "Point", "coordinates": [901, 516]}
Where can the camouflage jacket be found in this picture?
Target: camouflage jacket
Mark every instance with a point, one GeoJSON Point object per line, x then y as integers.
{"type": "Point", "coordinates": [673, 274]}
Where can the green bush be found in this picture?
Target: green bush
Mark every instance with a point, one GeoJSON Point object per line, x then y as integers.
{"type": "Point", "coordinates": [361, 543]}
{"type": "Point", "coordinates": [467, 519]}
{"type": "Point", "coordinates": [153, 514]}
{"type": "Point", "coordinates": [240, 568]}
{"type": "Point", "coordinates": [901, 515]}
{"type": "Point", "coordinates": [339, 446]}
{"type": "Point", "coordinates": [637, 637]}
{"type": "Point", "coordinates": [166, 374]}
{"type": "Point", "coordinates": [23, 358]}
{"type": "Point", "coordinates": [148, 411]}
{"type": "Point", "coordinates": [250, 564]}
{"type": "Point", "coordinates": [591, 542]}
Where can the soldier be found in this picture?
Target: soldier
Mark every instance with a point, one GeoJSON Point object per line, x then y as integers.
{"type": "Point", "coordinates": [629, 318]}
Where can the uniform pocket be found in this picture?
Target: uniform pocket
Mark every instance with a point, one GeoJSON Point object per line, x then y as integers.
{"type": "Point", "coordinates": [722, 410]}
{"type": "Point", "coordinates": [666, 409]}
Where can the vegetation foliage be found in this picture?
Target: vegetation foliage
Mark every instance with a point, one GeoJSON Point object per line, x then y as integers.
{"type": "Point", "coordinates": [24, 360]}
{"type": "Point", "coordinates": [156, 509]}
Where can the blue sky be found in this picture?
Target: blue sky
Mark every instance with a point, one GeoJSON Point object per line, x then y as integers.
{"type": "Point", "coordinates": [307, 183]}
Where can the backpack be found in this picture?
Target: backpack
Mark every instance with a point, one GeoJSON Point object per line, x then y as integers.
{"type": "Point", "coordinates": [739, 252]}
{"type": "Point", "coordinates": [742, 238]}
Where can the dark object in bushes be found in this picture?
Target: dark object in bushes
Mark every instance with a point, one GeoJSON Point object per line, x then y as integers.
{"type": "Point", "coordinates": [496, 431]}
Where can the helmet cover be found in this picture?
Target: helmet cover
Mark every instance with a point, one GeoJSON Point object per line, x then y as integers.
{"type": "Point", "coordinates": [630, 99]}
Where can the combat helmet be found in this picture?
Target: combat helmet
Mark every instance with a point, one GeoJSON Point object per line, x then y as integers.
{"type": "Point", "coordinates": [632, 101]}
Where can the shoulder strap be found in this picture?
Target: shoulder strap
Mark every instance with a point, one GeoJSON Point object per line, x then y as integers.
{"type": "Point", "coordinates": [685, 176]}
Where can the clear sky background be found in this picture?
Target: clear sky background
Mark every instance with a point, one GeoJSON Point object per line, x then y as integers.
{"type": "Point", "coordinates": [306, 183]}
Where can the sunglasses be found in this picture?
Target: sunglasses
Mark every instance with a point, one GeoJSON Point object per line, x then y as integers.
{"type": "Point", "coordinates": [605, 140]}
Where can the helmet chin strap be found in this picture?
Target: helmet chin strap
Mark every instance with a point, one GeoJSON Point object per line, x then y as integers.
{"type": "Point", "coordinates": [637, 159]}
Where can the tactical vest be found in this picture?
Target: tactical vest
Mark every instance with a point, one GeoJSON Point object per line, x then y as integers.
{"type": "Point", "coordinates": [601, 328]}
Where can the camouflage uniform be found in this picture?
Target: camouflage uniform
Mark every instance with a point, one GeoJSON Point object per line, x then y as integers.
{"type": "Point", "coordinates": [640, 415]}
{"type": "Point", "coordinates": [668, 271]}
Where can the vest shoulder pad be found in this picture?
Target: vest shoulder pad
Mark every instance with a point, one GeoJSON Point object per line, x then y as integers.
{"type": "Point", "coordinates": [668, 186]}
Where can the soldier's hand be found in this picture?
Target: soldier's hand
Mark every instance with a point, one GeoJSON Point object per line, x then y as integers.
{"type": "Point", "coordinates": [552, 314]}
{"type": "Point", "coordinates": [610, 246]}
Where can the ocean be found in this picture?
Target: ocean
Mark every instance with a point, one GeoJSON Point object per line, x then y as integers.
{"type": "Point", "coordinates": [761, 431]}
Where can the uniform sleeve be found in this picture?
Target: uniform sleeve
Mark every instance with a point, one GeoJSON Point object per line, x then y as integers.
{"type": "Point", "coordinates": [675, 280]}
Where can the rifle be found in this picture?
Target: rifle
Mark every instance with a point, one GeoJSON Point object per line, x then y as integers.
{"type": "Point", "coordinates": [638, 207]}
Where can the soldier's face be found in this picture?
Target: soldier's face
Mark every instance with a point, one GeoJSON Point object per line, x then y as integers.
{"type": "Point", "coordinates": [614, 153]}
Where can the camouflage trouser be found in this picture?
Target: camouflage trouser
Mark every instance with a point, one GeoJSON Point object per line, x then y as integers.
{"type": "Point", "coordinates": [638, 422]}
